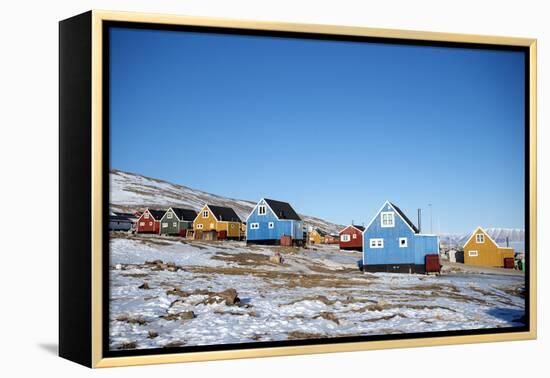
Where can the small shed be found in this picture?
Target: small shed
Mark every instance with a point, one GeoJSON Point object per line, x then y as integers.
{"type": "Point", "coordinates": [452, 255]}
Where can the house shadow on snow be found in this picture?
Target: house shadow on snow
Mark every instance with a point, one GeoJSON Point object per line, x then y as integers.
{"type": "Point", "coordinates": [510, 315]}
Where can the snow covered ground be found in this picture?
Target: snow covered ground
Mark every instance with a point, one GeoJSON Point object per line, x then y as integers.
{"type": "Point", "coordinates": [314, 293]}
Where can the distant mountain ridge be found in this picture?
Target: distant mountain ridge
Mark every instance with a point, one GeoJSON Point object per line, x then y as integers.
{"type": "Point", "coordinates": [131, 191]}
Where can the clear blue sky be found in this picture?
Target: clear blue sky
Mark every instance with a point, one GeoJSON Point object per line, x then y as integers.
{"type": "Point", "coordinates": [334, 128]}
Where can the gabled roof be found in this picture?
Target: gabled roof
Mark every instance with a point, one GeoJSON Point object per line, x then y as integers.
{"type": "Point", "coordinates": [320, 232]}
{"type": "Point", "coordinates": [282, 210]}
{"type": "Point", "coordinates": [226, 214]}
{"type": "Point", "coordinates": [184, 214]}
{"type": "Point", "coordinates": [157, 214]}
{"type": "Point", "coordinates": [407, 220]}
{"type": "Point", "coordinates": [399, 212]}
{"type": "Point", "coordinates": [477, 231]}
{"type": "Point", "coordinates": [358, 228]}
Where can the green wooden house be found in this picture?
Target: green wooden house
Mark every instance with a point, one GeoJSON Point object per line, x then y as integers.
{"type": "Point", "coordinates": [177, 221]}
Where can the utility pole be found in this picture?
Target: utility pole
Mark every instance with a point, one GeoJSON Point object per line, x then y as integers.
{"type": "Point", "coordinates": [431, 220]}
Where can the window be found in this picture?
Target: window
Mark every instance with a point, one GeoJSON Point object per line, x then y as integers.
{"type": "Point", "coordinates": [354, 236]}
{"type": "Point", "coordinates": [271, 225]}
{"type": "Point", "coordinates": [175, 224]}
{"type": "Point", "coordinates": [164, 225]}
{"type": "Point", "coordinates": [142, 224]}
{"type": "Point", "coordinates": [199, 226]}
{"type": "Point", "coordinates": [254, 226]}
{"type": "Point", "coordinates": [388, 219]}
{"type": "Point", "coordinates": [146, 215]}
{"type": "Point", "coordinates": [232, 225]}
{"type": "Point", "coordinates": [261, 210]}
{"type": "Point", "coordinates": [480, 238]}
{"type": "Point", "coordinates": [377, 243]}
{"type": "Point", "coordinates": [472, 253]}
{"type": "Point", "coordinates": [345, 238]}
{"type": "Point", "coordinates": [205, 214]}
{"type": "Point", "coordinates": [150, 223]}
{"type": "Point", "coordinates": [403, 242]}
{"type": "Point", "coordinates": [169, 215]}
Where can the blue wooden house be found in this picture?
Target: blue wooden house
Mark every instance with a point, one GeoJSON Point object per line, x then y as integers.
{"type": "Point", "coordinates": [392, 243]}
{"type": "Point", "coordinates": [272, 220]}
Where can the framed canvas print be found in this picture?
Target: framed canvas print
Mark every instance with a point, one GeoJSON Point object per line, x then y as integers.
{"type": "Point", "coordinates": [234, 189]}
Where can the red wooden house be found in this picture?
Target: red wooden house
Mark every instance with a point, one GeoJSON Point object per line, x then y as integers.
{"type": "Point", "coordinates": [149, 222]}
{"type": "Point", "coordinates": [351, 238]}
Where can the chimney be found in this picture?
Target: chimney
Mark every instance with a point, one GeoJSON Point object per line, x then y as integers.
{"type": "Point", "coordinates": [419, 220]}
{"type": "Point", "coordinates": [507, 241]}
{"type": "Point", "coordinates": [352, 222]}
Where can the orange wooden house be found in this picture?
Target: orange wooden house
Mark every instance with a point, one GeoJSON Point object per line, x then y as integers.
{"type": "Point", "coordinates": [482, 250]}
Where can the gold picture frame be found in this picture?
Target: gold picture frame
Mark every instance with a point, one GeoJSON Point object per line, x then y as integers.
{"type": "Point", "coordinates": [95, 20]}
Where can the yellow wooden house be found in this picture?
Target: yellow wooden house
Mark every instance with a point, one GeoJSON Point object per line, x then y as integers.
{"type": "Point", "coordinates": [482, 250]}
{"type": "Point", "coordinates": [316, 237]}
{"type": "Point", "coordinates": [217, 222]}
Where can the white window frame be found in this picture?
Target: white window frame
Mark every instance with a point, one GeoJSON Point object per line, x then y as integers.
{"type": "Point", "coordinates": [169, 215]}
{"type": "Point", "coordinates": [480, 240]}
{"type": "Point", "coordinates": [150, 223]}
{"type": "Point", "coordinates": [354, 236]}
{"type": "Point", "coordinates": [376, 243]}
{"type": "Point", "coordinates": [199, 226]}
{"type": "Point", "coordinates": [345, 238]}
{"type": "Point", "coordinates": [254, 226]}
{"type": "Point", "coordinates": [262, 209]}
{"type": "Point", "coordinates": [403, 245]}
{"type": "Point", "coordinates": [165, 224]}
{"type": "Point", "coordinates": [142, 224]}
{"type": "Point", "coordinates": [175, 224]}
{"type": "Point", "coordinates": [392, 217]}
{"type": "Point", "coordinates": [271, 225]}
{"type": "Point", "coordinates": [146, 216]}
{"type": "Point", "coordinates": [473, 254]}
{"type": "Point", "coordinates": [205, 214]}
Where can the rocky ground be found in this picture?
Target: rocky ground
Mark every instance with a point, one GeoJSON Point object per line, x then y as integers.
{"type": "Point", "coordinates": [168, 292]}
